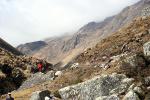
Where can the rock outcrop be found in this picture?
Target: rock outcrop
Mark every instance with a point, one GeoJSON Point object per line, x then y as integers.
{"type": "Point", "coordinates": [37, 78]}
{"type": "Point", "coordinates": [40, 95]}
{"type": "Point", "coordinates": [131, 95]}
{"type": "Point", "coordinates": [103, 85]}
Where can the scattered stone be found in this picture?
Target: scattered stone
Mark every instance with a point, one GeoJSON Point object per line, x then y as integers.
{"type": "Point", "coordinates": [104, 65]}
{"type": "Point", "coordinates": [146, 10]}
{"type": "Point", "coordinates": [58, 73]}
{"type": "Point", "coordinates": [74, 66]}
{"type": "Point", "coordinates": [117, 57]}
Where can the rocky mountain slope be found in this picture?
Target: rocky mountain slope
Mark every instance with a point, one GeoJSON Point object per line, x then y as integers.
{"type": "Point", "coordinates": [116, 68]}
{"type": "Point", "coordinates": [124, 54]}
{"type": "Point", "coordinates": [120, 63]}
{"type": "Point", "coordinates": [5, 45]}
{"type": "Point", "coordinates": [69, 47]}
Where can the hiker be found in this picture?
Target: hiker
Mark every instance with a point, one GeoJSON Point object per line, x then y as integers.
{"type": "Point", "coordinates": [40, 66]}
{"type": "Point", "coordinates": [9, 97]}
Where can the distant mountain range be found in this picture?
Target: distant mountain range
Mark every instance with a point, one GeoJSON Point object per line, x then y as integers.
{"type": "Point", "coordinates": [65, 48]}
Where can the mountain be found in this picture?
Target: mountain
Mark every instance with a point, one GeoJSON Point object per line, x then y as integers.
{"type": "Point", "coordinates": [116, 67]}
{"type": "Point", "coordinates": [7, 46]}
{"type": "Point", "coordinates": [65, 48]}
{"type": "Point", "coordinates": [119, 57]}
{"type": "Point", "coordinates": [28, 48]}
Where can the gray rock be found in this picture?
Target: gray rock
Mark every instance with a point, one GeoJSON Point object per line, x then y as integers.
{"type": "Point", "coordinates": [58, 73]}
{"type": "Point", "coordinates": [131, 95]}
{"type": "Point", "coordinates": [112, 97]}
{"type": "Point", "coordinates": [146, 49]}
{"type": "Point", "coordinates": [96, 87]}
{"type": "Point", "coordinates": [123, 87]}
{"type": "Point", "coordinates": [40, 95]}
{"type": "Point", "coordinates": [120, 90]}
{"type": "Point", "coordinates": [37, 78]}
{"type": "Point", "coordinates": [35, 96]}
{"type": "Point", "coordinates": [132, 64]}
{"type": "Point", "coordinates": [139, 91]}
{"type": "Point", "coordinates": [134, 61]}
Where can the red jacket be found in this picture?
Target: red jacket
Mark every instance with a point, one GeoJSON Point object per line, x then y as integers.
{"type": "Point", "coordinates": [39, 66]}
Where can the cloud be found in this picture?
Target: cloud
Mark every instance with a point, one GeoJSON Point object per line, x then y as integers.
{"type": "Point", "coordinates": [29, 20]}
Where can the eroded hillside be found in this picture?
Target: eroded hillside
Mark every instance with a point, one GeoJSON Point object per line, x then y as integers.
{"type": "Point", "coordinates": [128, 39]}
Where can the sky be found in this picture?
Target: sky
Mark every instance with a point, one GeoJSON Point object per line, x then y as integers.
{"type": "Point", "coordinates": [23, 21]}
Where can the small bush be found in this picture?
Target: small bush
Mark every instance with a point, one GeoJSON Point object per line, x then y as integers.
{"type": "Point", "coordinates": [56, 94]}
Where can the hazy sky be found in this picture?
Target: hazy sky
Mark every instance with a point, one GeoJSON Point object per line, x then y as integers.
{"type": "Point", "coordinates": [29, 20]}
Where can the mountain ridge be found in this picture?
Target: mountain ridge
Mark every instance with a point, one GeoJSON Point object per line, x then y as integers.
{"type": "Point", "coordinates": [8, 47]}
{"type": "Point", "coordinates": [87, 36]}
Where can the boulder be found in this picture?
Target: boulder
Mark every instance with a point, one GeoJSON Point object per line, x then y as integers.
{"type": "Point", "coordinates": [40, 95]}
{"type": "Point", "coordinates": [131, 95]}
{"type": "Point", "coordinates": [112, 97]}
{"type": "Point", "coordinates": [131, 65]}
{"type": "Point", "coordinates": [139, 90]}
{"type": "Point", "coordinates": [35, 96]}
{"type": "Point", "coordinates": [37, 78]}
{"type": "Point", "coordinates": [134, 61]}
{"type": "Point", "coordinates": [146, 49]}
{"type": "Point", "coordinates": [123, 87]}
{"type": "Point", "coordinates": [96, 87]}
